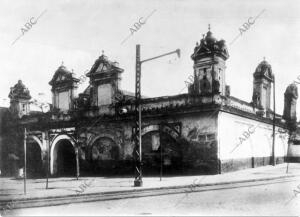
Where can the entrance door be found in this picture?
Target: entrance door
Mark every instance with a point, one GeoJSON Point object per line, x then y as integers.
{"type": "Point", "coordinates": [161, 151]}
{"type": "Point", "coordinates": [66, 159]}
{"type": "Point", "coordinates": [34, 160]}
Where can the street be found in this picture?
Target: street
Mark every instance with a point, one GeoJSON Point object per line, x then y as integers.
{"type": "Point", "coordinates": [268, 198]}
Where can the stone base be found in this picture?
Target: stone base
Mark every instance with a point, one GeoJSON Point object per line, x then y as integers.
{"type": "Point", "coordinates": [138, 183]}
{"type": "Point", "coordinates": [244, 163]}
{"type": "Point", "coordinates": [292, 159]}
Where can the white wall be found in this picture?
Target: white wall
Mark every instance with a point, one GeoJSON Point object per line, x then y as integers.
{"type": "Point", "coordinates": [64, 100]}
{"type": "Point", "coordinates": [234, 145]}
{"type": "Point", "coordinates": [294, 151]}
{"type": "Point", "coordinates": [104, 94]}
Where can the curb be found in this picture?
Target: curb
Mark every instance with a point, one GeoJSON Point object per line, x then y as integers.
{"type": "Point", "coordinates": [134, 193]}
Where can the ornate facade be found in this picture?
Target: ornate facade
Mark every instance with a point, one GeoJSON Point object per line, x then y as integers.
{"type": "Point", "coordinates": [196, 132]}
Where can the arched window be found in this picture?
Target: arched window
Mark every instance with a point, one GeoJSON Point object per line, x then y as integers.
{"type": "Point", "coordinates": [105, 149]}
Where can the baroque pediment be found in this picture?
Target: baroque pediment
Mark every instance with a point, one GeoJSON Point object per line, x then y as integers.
{"type": "Point", "coordinates": [104, 66]}
{"type": "Point", "coordinates": [63, 76]}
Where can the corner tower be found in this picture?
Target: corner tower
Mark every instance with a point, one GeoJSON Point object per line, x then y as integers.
{"type": "Point", "coordinates": [19, 99]}
{"type": "Point", "coordinates": [262, 80]}
{"type": "Point", "coordinates": [209, 66]}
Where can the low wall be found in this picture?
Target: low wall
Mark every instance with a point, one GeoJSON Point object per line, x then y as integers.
{"type": "Point", "coordinates": [247, 143]}
{"type": "Point", "coordinates": [293, 155]}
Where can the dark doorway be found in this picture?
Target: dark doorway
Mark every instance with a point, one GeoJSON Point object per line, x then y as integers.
{"type": "Point", "coordinates": [161, 151]}
{"type": "Point", "coordinates": [34, 161]}
{"type": "Point", "coordinates": [66, 159]}
{"type": "Point", "coordinates": [104, 155]}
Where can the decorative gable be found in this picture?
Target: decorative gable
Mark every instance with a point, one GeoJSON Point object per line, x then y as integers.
{"type": "Point", "coordinates": [104, 71]}
{"type": "Point", "coordinates": [63, 78]}
{"type": "Point", "coordinates": [102, 68]}
{"type": "Point", "coordinates": [63, 89]}
{"type": "Point", "coordinates": [105, 77]}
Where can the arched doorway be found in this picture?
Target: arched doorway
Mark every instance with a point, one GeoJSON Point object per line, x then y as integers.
{"type": "Point", "coordinates": [63, 157]}
{"type": "Point", "coordinates": [104, 156]}
{"type": "Point", "coordinates": [66, 158]}
{"type": "Point", "coordinates": [34, 161]}
{"type": "Point", "coordinates": [160, 150]}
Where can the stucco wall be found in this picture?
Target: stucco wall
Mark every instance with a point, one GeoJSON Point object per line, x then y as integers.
{"type": "Point", "coordinates": [294, 153]}
{"type": "Point", "coordinates": [246, 143]}
{"type": "Point", "coordinates": [63, 100]}
{"type": "Point", "coordinates": [198, 139]}
{"type": "Point", "coordinates": [200, 150]}
{"type": "Point", "coordinates": [104, 94]}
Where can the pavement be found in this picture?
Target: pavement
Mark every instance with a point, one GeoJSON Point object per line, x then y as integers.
{"type": "Point", "coordinates": [86, 189]}
{"type": "Point", "coordinates": [261, 198]}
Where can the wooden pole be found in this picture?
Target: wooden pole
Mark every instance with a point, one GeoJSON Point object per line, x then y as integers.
{"type": "Point", "coordinates": [48, 158]}
{"type": "Point", "coordinates": [25, 160]}
{"type": "Point", "coordinates": [77, 162]}
{"type": "Point", "coordinates": [161, 152]}
{"type": "Point", "coordinates": [287, 166]}
{"type": "Point", "coordinates": [274, 114]}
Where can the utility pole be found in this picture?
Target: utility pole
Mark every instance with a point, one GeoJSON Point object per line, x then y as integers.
{"type": "Point", "coordinates": [273, 145]}
{"type": "Point", "coordinates": [48, 158]}
{"type": "Point", "coordinates": [138, 114]}
{"type": "Point", "coordinates": [77, 161]}
{"type": "Point", "coordinates": [161, 151]}
{"type": "Point", "coordinates": [25, 137]}
{"type": "Point", "coordinates": [138, 121]}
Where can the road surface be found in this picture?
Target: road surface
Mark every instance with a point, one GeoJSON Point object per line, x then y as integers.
{"type": "Point", "coordinates": [278, 197]}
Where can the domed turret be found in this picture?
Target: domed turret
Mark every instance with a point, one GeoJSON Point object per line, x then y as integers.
{"type": "Point", "coordinates": [262, 80]}
{"type": "Point", "coordinates": [263, 69]}
{"type": "Point", "coordinates": [209, 38]}
{"type": "Point", "coordinates": [210, 45]}
{"type": "Point", "coordinates": [19, 91]}
{"type": "Point", "coordinates": [209, 66]}
{"type": "Point", "coordinates": [290, 103]}
{"type": "Point", "coordinates": [19, 99]}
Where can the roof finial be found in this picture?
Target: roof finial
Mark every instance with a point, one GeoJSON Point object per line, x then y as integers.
{"type": "Point", "coordinates": [62, 63]}
{"type": "Point", "coordinates": [203, 35]}
{"type": "Point", "coordinates": [209, 27]}
{"type": "Point", "coordinates": [264, 58]}
{"type": "Point", "coordinates": [102, 52]}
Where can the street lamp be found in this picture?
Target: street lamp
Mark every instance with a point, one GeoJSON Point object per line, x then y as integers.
{"type": "Point", "coordinates": [138, 113]}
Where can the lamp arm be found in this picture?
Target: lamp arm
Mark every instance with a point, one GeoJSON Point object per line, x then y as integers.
{"type": "Point", "coordinates": [175, 51]}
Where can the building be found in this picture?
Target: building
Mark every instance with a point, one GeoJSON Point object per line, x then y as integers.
{"type": "Point", "coordinates": [204, 131]}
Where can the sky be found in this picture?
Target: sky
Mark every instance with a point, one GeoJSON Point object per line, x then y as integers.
{"type": "Point", "coordinates": [77, 32]}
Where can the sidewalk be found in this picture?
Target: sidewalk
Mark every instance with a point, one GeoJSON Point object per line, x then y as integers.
{"type": "Point", "coordinates": [11, 190]}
